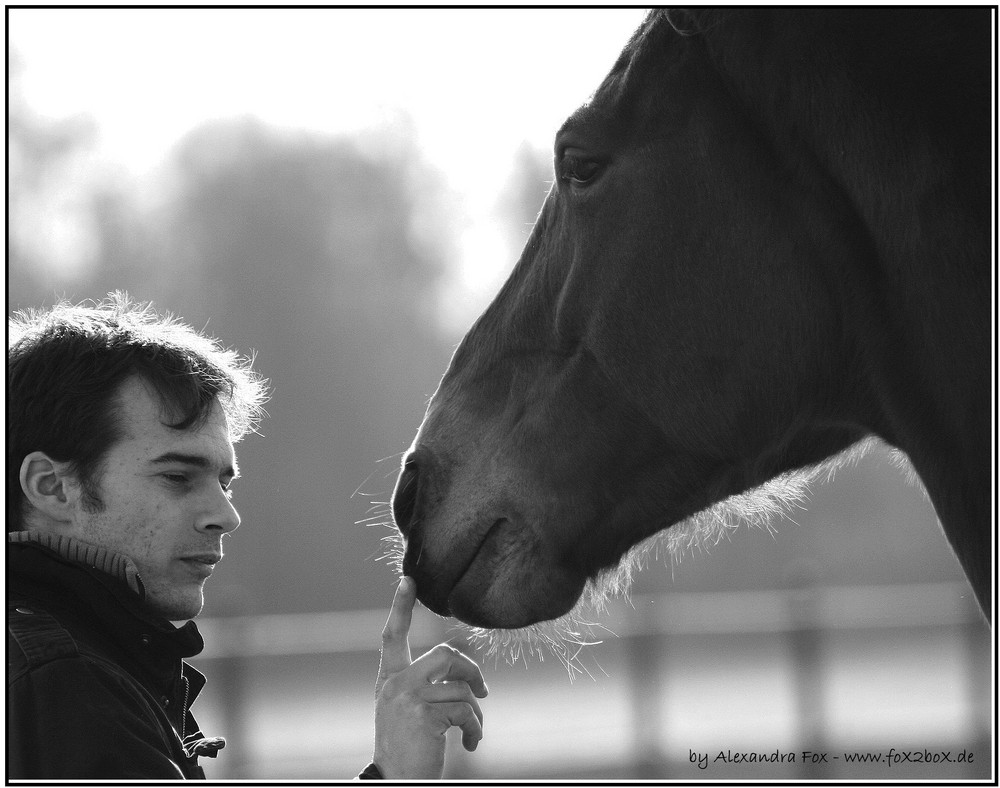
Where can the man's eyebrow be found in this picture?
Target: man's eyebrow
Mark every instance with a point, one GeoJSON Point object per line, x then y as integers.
{"type": "Point", "coordinates": [196, 460]}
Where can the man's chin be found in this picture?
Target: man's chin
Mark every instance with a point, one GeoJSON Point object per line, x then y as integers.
{"type": "Point", "coordinates": [176, 608]}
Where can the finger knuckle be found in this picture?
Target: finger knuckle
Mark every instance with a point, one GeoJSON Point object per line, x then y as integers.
{"type": "Point", "coordinates": [388, 633]}
{"type": "Point", "coordinates": [469, 713]}
{"type": "Point", "coordinates": [448, 650]}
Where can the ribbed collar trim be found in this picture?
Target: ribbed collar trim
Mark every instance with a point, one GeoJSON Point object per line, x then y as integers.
{"type": "Point", "coordinates": [101, 558]}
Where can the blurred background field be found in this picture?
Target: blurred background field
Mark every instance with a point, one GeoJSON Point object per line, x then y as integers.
{"type": "Point", "coordinates": [340, 192]}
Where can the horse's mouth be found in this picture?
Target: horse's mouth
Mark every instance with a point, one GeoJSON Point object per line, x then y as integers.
{"type": "Point", "coordinates": [439, 591]}
{"type": "Point", "coordinates": [468, 588]}
{"type": "Point", "coordinates": [508, 582]}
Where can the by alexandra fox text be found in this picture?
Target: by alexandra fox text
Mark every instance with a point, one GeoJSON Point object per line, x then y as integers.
{"type": "Point", "coordinates": [887, 758]}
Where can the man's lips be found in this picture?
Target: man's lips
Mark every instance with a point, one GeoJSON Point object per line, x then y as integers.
{"type": "Point", "coordinates": [204, 558]}
{"type": "Point", "coordinates": [203, 563]}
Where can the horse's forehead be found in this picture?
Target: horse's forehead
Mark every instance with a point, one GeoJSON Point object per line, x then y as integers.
{"type": "Point", "coordinates": [621, 76]}
{"type": "Point", "coordinates": [644, 75]}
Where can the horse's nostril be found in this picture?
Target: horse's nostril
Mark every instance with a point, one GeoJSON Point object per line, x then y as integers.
{"type": "Point", "coordinates": [404, 499]}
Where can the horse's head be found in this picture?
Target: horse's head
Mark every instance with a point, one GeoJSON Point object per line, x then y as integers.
{"type": "Point", "coordinates": [672, 335]}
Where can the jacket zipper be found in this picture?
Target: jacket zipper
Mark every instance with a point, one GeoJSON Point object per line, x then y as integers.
{"type": "Point", "coordinates": [184, 706]}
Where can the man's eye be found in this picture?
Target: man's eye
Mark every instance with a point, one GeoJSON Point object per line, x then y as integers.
{"type": "Point", "coordinates": [176, 478]}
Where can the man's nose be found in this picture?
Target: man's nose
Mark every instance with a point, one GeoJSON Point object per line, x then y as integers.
{"type": "Point", "coordinates": [221, 515]}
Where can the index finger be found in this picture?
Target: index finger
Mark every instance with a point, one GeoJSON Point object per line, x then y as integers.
{"type": "Point", "coordinates": [395, 640]}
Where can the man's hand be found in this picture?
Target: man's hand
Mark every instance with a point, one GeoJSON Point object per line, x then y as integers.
{"type": "Point", "coordinates": [417, 702]}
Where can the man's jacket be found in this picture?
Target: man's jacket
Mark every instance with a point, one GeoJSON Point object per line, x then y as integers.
{"type": "Point", "coordinates": [96, 683]}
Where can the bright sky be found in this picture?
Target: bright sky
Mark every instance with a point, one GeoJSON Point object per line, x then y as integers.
{"type": "Point", "coordinates": [477, 83]}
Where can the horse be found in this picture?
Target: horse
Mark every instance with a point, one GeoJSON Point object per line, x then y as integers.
{"type": "Point", "coordinates": [767, 242]}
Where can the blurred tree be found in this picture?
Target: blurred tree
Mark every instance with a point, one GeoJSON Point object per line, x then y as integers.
{"type": "Point", "coordinates": [44, 228]}
{"type": "Point", "coordinates": [304, 249]}
{"type": "Point", "coordinates": [522, 195]}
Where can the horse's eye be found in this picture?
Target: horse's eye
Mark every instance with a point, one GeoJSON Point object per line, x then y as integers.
{"type": "Point", "coordinates": [576, 168]}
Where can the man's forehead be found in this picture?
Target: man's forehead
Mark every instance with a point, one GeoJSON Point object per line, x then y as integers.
{"type": "Point", "coordinates": [147, 416]}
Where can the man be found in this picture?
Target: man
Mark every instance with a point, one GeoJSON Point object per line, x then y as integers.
{"type": "Point", "coordinates": [120, 433]}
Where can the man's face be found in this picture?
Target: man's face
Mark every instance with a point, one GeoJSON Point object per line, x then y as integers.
{"type": "Point", "coordinates": [165, 501]}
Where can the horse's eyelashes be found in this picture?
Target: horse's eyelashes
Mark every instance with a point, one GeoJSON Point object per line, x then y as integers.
{"type": "Point", "coordinates": [577, 168]}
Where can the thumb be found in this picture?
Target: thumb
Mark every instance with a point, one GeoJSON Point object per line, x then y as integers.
{"type": "Point", "coordinates": [395, 640]}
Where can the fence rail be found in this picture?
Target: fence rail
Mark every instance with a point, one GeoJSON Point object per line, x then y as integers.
{"type": "Point", "coordinates": [720, 612]}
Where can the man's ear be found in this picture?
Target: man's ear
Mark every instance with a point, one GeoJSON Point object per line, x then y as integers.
{"type": "Point", "coordinates": [50, 488]}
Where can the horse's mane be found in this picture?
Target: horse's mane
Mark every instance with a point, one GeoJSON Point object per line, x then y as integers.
{"type": "Point", "coordinates": [689, 21]}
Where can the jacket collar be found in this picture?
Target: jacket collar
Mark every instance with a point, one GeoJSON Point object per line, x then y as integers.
{"type": "Point", "coordinates": [97, 582]}
{"type": "Point", "coordinates": [100, 558]}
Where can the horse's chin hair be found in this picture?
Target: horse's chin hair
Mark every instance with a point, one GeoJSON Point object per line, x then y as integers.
{"type": "Point", "coordinates": [564, 638]}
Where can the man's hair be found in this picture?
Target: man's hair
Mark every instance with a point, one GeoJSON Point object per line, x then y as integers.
{"type": "Point", "coordinates": [66, 366]}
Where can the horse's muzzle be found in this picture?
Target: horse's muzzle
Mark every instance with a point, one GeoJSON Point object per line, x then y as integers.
{"type": "Point", "coordinates": [404, 497]}
{"type": "Point", "coordinates": [407, 507]}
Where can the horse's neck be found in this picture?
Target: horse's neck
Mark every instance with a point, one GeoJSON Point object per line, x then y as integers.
{"type": "Point", "coordinates": [844, 99]}
{"type": "Point", "coordinates": [917, 296]}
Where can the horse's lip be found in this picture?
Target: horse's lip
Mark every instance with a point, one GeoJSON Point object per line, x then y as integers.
{"type": "Point", "coordinates": [475, 554]}
{"type": "Point", "coordinates": [435, 589]}
{"type": "Point", "coordinates": [498, 604]}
